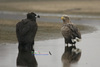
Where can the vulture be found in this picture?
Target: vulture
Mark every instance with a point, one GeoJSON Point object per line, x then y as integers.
{"type": "Point", "coordinates": [26, 30]}
{"type": "Point", "coordinates": [69, 31]}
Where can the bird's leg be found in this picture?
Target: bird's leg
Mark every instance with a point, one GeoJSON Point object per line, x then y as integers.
{"type": "Point", "coordinates": [72, 45]}
{"type": "Point", "coordinates": [66, 45]}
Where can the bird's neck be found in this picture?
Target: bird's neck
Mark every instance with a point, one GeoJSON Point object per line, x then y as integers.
{"type": "Point", "coordinates": [66, 21]}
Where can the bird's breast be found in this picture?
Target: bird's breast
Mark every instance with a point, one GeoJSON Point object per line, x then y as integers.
{"type": "Point", "coordinates": [65, 29]}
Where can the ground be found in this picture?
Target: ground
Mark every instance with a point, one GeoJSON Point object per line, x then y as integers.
{"type": "Point", "coordinates": [90, 40]}
{"type": "Point", "coordinates": [89, 45]}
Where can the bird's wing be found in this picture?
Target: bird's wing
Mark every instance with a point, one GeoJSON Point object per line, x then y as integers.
{"type": "Point", "coordinates": [74, 30]}
{"type": "Point", "coordinates": [22, 28]}
{"type": "Point", "coordinates": [65, 31]}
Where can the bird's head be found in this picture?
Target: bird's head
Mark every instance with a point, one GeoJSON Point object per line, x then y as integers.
{"type": "Point", "coordinates": [65, 19]}
{"type": "Point", "coordinates": [32, 16]}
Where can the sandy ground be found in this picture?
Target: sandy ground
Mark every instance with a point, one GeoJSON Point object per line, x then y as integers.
{"type": "Point", "coordinates": [89, 45]}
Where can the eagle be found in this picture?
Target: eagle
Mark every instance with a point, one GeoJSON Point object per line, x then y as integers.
{"type": "Point", "coordinates": [70, 31]}
{"type": "Point", "coordinates": [26, 30]}
{"type": "Point", "coordinates": [70, 55]}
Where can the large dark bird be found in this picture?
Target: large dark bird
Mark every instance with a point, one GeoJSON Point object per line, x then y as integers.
{"type": "Point", "coordinates": [69, 31]}
{"type": "Point", "coordinates": [26, 31]}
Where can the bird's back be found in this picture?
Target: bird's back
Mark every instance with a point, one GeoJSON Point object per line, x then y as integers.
{"type": "Point", "coordinates": [26, 30]}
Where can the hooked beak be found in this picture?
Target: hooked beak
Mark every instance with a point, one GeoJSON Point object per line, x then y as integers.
{"type": "Point", "coordinates": [37, 16]}
{"type": "Point", "coordinates": [62, 18]}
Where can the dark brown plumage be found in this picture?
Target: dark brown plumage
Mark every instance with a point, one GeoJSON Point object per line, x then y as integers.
{"type": "Point", "coordinates": [69, 31]}
{"type": "Point", "coordinates": [26, 31]}
{"type": "Point", "coordinates": [26, 59]}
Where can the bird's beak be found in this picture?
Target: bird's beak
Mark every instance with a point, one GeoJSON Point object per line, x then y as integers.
{"type": "Point", "coordinates": [37, 16]}
{"type": "Point", "coordinates": [62, 18]}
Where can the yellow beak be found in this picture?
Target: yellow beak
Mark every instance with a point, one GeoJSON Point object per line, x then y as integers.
{"type": "Point", "coordinates": [62, 18]}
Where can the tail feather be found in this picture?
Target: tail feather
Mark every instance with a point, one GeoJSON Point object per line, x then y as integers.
{"type": "Point", "coordinates": [76, 39]}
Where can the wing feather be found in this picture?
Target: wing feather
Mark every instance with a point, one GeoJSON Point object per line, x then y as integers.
{"type": "Point", "coordinates": [74, 30]}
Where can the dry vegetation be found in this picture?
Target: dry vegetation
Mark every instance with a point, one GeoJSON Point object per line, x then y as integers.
{"type": "Point", "coordinates": [86, 7]}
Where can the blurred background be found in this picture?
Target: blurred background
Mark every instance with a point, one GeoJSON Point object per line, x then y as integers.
{"type": "Point", "coordinates": [12, 11]}
{"type": "Point", "coordinates": [84, 13]}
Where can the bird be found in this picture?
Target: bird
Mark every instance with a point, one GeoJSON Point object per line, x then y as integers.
{"type": "Point", "coordinates": [70, 31]}
{"type": "Point", "coordinates": [26, 30]}
{"type": "Point", "coordinates": [70, 55]}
